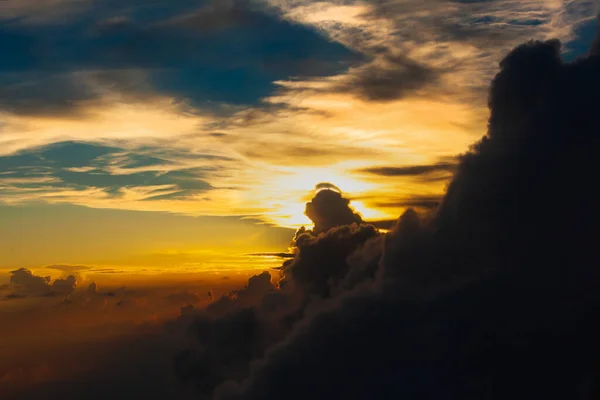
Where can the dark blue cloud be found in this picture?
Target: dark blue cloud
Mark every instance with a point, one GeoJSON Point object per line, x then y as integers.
{"type": "Point", "coordinates": [212, 54]}
{"type": "Point", "coordinates": [64, 163]}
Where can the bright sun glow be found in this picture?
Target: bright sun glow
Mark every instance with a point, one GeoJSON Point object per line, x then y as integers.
{"type": "Point", "coordinates": [288, 192]}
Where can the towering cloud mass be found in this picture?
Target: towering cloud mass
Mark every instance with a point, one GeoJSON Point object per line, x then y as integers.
{"type": "Point", "coordinates": [493, 296]}
{"type": "Point", "coordinates": [240, 327]}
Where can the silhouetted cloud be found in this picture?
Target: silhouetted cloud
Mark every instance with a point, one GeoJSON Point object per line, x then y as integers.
{"type": "Point", "coordinates": [492, 296]}
{"type": "Point", "coordinates": [391, 77]}
{"type": "Point", "coordinates": [239, 327]}
{"type": "Point", "coordinates": [329, 209]}
{"type": "Point", "coordinates": [321, 262]}
{"type": "Point", "coordinates": [412, 170]}
{"type": "Point", "coordinates": [24, 283]}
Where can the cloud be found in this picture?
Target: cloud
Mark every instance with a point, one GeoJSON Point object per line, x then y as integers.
{"type": "Point", "coordinates": [490, 296]}
{"type": "Point", "coordinates": [329, 209]}
{"type": "Point", "coordinates": [24, 283]}
{"type": "Point", "coordinates": [239, 327]}
{"type": "Point", "coordinates": [389, 78]}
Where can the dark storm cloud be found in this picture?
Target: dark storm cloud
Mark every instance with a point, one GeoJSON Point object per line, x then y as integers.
{"type": "Point", "coordinates": [79, 165]}
{"type": "Point", "coordinates": [322, 261]}
{"type": "Point", "coordinates": [239, 327]}
{"type": "Point", "coordinates": [494, 295]}
{"type": "Point", "coordinates": [219, 52]}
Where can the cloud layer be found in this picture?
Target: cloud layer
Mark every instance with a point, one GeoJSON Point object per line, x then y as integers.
{"type": "Point", "coordinates": [492, 295]}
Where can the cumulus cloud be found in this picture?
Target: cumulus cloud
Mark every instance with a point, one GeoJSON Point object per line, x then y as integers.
{"type": "Point", "coordinates": [329, 209]}
{"type": "Point", "coordinates": [411, 170]}
{"type": "Point", "coordinates": [23, 282]}
{"type": "Point", "coordinates": [239, 327]}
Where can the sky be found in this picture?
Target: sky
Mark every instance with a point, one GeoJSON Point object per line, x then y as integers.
{"type": "Point", "coordinates": [186, 134]}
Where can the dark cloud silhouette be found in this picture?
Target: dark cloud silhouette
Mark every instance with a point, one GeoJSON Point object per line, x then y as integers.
{"type": "Point", "coordinates": [239, 327]}
{"type": "Point", "coordinates": [24, 283]}
{"type": "Point", "coordinates": [329, 209]}
{"type": "Point", "coordinates": [494, 295]}
{"type": "Point", "coordinates": [321, 262]}
{"type": "Point", "coordinates": [595, 47]}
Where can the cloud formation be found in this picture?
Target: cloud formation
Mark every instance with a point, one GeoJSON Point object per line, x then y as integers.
{"type": "Point", "coordinates": [492, 295]}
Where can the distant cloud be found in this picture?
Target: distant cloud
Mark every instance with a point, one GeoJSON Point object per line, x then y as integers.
{"type": "Point", "coordinates": [412, 170]}
{"type": "Point", "coordinates": [24, 283]}
{"type": "Point", "coordinates": [277, 255]}
{"type": "Point", "coordinates": [69, 268]}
